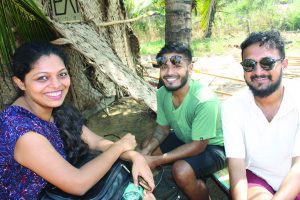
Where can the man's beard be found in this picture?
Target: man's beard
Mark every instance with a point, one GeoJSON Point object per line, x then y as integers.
{"type": "Point", "coordinates": [184, 80]}
{"type": "Point", "coordinates": [265, 92]}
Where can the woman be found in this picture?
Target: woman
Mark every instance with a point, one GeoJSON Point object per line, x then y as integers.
{"type": "Point", "coordinates": [40, 136]}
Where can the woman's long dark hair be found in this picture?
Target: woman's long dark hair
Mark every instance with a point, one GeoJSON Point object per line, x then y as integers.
{"type": "Point", "coordinates": [69, 122]}
{"type": "Point", "coordinates": [68, 119]}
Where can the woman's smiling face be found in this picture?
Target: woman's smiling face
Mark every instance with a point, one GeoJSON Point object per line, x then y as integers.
{"type": "Point", "coordinates": [47, 83]}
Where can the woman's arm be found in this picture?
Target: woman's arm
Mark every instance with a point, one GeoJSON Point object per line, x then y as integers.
{"type": "Point", "coordinates": [35, 152]}
{"type": "Point", "coordinates": [139, 164]}
{"type": "Point", "coordinates": [95, 141]}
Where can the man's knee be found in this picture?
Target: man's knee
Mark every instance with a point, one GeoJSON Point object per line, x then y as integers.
{"type": "Point", "coordinates": [256, 193]}
{"type": "Point", "coordinates": [182, 171]}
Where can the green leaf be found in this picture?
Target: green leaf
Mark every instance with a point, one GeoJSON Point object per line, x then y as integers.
{"type": "Point", "coordinates": [20, 21]}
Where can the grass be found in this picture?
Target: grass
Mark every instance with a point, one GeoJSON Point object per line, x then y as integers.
{"type": "Point", "coordinates": [152, 47]}
{"type": "Point", "coordinates": [203, 47]}
{"type": "Point", "coordinates": [200, 47]}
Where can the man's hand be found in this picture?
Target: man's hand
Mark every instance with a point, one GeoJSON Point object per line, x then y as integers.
{"type": "Point", "coordinates": [153, 161]}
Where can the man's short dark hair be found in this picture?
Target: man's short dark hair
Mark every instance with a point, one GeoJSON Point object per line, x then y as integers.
{"type": "Point", "coordinates": [176, 48]}
{"type": "Point", "coordinates": [270, 39]}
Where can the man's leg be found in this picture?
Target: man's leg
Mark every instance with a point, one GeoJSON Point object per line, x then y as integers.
{"type": "Point", "coordinates": [182, 171]}
{"type": "Point", "coordinates": [186, 179]}
{"type": "Point", "coordinates": [188, 172]}
{"type": "Point", "coordinates": [258, 188]}
{"type": "Point", "coordinates": [259, 193]}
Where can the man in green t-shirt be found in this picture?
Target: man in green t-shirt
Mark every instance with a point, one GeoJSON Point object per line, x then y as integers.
{"type": "Point", "coordinates": [189, 130]}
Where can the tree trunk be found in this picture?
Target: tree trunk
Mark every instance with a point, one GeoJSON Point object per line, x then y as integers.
{"type": "Point", "coordinates": [178, 21]}
{"type": "Point", "coordinates": [7, 90]}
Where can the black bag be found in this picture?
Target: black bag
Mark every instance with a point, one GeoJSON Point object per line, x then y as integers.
{"type": "Point", "coordinates": [166, 188]}
{"type": "Point", "coordinates": [110, 187]}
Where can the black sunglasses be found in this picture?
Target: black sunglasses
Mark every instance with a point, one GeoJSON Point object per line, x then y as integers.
{"type": "Point", "coordinates": [266, 63]}
{"type": "Point", "coordinates": [175, 60]}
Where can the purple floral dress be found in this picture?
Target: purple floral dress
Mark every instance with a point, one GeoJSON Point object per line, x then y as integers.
{"type": "Point", "coordinates": [16, 181]}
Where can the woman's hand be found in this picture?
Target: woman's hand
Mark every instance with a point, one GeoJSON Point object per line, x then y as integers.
{"type": "Point", "coordinates": [141, 168]}
{"type": "Point", "coordinates": [128, 142]}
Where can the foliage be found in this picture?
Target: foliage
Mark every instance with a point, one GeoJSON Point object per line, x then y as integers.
{"type": "Point", "coordinates": [290, 17]}
{"type": "Point", "coordinates": [247, 16]}
{"type": "Point", "coordinates": [152, 48]}
{"type": "Point", "coordinates": [136, 7]}
{"type": "Point", "coordinates": [20, 20]}
{"type": "Point", "coordinates": [154, 25]}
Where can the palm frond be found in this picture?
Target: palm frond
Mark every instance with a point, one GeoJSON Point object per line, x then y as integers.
{"type": "Point", "coordinates": [20, 21]}
{"type": "Point", "coordinates": [205, 8]}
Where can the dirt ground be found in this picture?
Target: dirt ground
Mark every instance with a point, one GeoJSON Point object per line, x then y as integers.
{"type": "Point", "coordinates": [123, 116]}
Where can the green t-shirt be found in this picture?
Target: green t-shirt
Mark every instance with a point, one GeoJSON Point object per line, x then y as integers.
{"type": "Point", "coordinates": [197, 118]}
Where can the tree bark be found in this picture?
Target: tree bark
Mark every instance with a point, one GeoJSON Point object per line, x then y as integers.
{"type": "Point", "coordinates": [103, 60]}
{"type": "Point", "coordinates": [7, 90]}
{"type": "Point", "coordinates": [178, 21]}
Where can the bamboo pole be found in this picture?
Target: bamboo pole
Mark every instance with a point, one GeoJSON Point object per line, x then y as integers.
{"type": "Point", "coordinates": [223, 93]}
{"type": "Point", "coordinates": [219, 76]}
